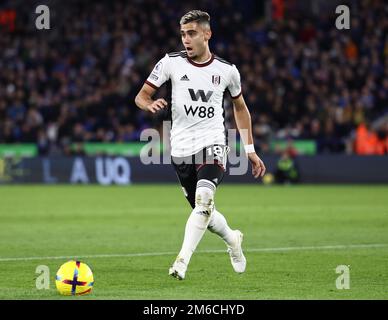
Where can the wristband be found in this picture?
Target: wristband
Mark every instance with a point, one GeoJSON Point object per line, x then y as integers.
{"type": "Point", "coordinates": [249, 148]}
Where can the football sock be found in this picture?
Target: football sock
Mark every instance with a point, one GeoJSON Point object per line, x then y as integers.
{"type": "Point", "coordinates": [219, 226]}
{"type": "Point", "coordinates": [199, 219]}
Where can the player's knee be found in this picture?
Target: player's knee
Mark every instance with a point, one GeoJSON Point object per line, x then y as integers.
{"type": "Point", "coordinates": [204, 196]}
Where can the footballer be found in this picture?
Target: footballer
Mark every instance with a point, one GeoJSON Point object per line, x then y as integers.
{"type": "Point", "coordinates": [199, 148]}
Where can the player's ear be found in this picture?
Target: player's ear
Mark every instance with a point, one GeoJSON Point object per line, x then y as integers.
{"type": "Point", "coordinates": [208, 34]}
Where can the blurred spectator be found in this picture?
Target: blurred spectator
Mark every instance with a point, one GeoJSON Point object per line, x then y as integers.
{"type": "Point", "coordinates": [286, 169]}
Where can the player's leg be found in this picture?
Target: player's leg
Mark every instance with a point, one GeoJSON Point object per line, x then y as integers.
{"type": "Point", "coordinates": [195, 227]}
{"type": "Point", "coordinates": [232, 238]}
{"type": "Point", "coordinates": [187, 176]}
{"type": "Point", "coordinates": [200, 216]}
{"type": "Point", "coordinates": [218, 223]}
{"type": "Point", "coordinates": [208, 176]}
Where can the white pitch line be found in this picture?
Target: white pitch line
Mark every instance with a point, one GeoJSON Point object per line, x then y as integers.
{"type": "Point", "coordinates": [151, 254]}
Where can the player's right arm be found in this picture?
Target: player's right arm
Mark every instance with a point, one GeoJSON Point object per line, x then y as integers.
{"type": "Point", "coordinates": [145, 102]}
{"type": "Point", "coordinates": [159, 75]}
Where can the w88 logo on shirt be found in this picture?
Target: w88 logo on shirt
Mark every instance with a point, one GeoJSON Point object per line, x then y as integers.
{"type": "Point", "coordinates": [200, 111]}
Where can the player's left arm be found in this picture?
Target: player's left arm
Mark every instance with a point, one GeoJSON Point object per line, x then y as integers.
{"type": "Point", "coordinates": [242, 117]}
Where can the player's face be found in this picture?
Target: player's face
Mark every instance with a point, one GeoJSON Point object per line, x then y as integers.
{"type": "Point", "coordinates": [195, 39]}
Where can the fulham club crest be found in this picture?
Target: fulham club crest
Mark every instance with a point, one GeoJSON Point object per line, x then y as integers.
{"type": "Point", "coordinates": [216, 79]}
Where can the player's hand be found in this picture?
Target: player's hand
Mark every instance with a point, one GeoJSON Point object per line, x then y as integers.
{"type": "Point", "coordinates": [157, 105]}
{"type": "Point", "coordinates": [258, 167]}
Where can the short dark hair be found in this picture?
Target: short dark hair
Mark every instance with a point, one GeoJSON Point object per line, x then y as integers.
{"type": "Point", "coordinates": [198, 16]}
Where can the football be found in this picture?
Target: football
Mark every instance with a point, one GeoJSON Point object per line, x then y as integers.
{"type": "Point", "coordinates": [74, 278]}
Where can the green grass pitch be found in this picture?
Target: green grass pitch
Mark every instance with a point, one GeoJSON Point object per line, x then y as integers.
{"type": "Point", "coordinates": [294, 236]}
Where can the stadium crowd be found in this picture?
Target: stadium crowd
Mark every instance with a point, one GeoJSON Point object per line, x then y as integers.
{"type": "Point", "coordinates": [301, 77]}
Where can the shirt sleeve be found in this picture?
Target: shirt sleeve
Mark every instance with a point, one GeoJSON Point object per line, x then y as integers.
{"type": "Point", "coordinates": [160, 74]}
{"type": "Point", "coordinates": [234, 85]}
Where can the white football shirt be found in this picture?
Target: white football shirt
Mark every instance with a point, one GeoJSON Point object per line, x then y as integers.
{"type": "Point", "coordinates": [197, 99]}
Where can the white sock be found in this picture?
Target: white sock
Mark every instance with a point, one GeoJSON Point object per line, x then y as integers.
{"type": "Point", "coordinates": [219, 226]}
{"type": "Point", "coordinates": [196, 226]}
{"type": "Point", "coordinates": [199, 219]}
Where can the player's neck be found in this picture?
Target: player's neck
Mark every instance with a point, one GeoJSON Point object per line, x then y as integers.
{"type": "Point", "coordinates": [203, 58]}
